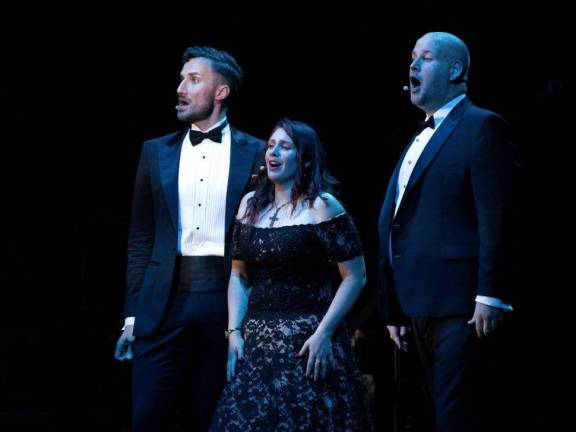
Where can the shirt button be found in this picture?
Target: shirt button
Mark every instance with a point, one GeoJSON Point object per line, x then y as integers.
{"type": "Point", "coordinates": [197, 228]}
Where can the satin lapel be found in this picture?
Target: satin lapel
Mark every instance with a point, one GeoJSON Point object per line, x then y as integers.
{"type": "Point", "coordinates": [169, 161]}
{"type": "Point", "coordinates": [387, 210]}
{"type": "Point", "coordinates": [435, 144]}
{"type": "Point", "coordinates": [241, 161]}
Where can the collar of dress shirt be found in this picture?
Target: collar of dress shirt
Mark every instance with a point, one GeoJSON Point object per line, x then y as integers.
{"type": "Point", "coordinates": [443, 111]}
{"type": "Point", "coordinates": [194, 127]}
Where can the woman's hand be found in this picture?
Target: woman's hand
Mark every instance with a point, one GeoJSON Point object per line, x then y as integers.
{"type": "Point", "coordinates": [319, 347]}
{"type": "Point", "coordinates": [235, 353]}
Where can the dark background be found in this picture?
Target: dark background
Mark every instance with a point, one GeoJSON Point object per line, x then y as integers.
{"type": "Point", "coordinates": [83, 87]}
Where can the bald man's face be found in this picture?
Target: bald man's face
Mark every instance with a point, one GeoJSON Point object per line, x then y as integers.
{"type": "Point", "coordinates": [429, 75]}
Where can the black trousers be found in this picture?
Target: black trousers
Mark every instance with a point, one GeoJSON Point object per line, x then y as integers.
{"type": "Point", "coordinates": [465, 374]}
{"type": "Point", "coordinates": [179, 372]}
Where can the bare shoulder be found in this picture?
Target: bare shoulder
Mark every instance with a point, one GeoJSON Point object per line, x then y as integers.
{"type": "Point", "coordinates": [244, 204]}
{"type": "Point", "coordinates": [327, 206]}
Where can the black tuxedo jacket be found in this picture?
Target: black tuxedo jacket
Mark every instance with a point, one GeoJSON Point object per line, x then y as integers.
{"type": "Point", "coordinates": [446, 244]}
{"type": "Point", "coordinates": [153, 234]}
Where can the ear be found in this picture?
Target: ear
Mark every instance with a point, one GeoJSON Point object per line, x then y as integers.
{"type": "Point", "coordinates": [222, 92]}
{"type": "Point", "coordinates": [457, 71]}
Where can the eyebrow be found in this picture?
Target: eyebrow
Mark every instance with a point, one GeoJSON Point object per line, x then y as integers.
{"type": "Point", "coordinates": [280, 141]}
{"type": "Point", "coordinates": [423, 52]}
{"type": "Point", "coordinates": [190, 74]}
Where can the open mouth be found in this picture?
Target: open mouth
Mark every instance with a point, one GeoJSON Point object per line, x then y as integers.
{"type": "Point", "coordinates": [183, 102]}
{"type": "Point", "coordinates": [415, 84]}
{"type": "Point", "coordinates": [274, 164]}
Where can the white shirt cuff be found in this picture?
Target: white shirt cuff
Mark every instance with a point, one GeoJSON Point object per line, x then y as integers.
{"type": "Point", "coordinates": [494, 302]}
{"type": "Point", "coordinates": [128, 321]}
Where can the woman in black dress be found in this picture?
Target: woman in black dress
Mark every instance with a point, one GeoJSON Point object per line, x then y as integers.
{"type": "Point", "coordinates": [290, 364]}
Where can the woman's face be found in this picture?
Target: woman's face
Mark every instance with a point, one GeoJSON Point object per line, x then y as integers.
{"type": "Point", "coordinates": [281, 157]}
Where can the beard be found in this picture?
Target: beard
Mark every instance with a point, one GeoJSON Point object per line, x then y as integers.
{"type": "Point", "coordinates": [196, 113]}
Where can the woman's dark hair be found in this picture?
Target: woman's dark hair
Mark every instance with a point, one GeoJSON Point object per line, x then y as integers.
{"type": "Point", "coordinates": [312, 176]}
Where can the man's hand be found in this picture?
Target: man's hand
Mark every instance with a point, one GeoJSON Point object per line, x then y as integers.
{"type": "Point", "coordinates": [486, 319]}
{"type": "Point", "coordinates": [398, 334]}
{"type": "Point", "coordinates": [124, 345]}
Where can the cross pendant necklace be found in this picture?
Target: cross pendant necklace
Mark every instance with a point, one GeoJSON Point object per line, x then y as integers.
{"type": "Point", "coordinates": [274, 217]}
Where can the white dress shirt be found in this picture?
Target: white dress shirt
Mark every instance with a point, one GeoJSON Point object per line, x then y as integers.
{"type": "Point", "coordinates": [202, 185]}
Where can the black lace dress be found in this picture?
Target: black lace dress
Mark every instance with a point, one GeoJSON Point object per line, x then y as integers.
{"type": "Point", "coordinates": [290, 270]}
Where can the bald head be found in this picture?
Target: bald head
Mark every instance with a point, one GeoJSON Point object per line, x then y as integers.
{"type": "Point", "coordinates": [438, 71]}
{"type": "Point", "coordinates": [453, 50]}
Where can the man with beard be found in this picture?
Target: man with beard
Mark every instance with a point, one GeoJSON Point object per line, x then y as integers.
{"type": "Point", "coordinates": [187, 190]}
{"type": "Point", "coordinates": [443, 237]}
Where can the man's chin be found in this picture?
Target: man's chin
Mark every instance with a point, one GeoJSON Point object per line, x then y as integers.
{"type": "Point", "coordinates": [415, 99]}
{"type": "Point", "coordinates": [418, 102]}
{"type": "Point", "coordinates": [193, 116]}
{"type": "Point", "coordinates": [185, 117]}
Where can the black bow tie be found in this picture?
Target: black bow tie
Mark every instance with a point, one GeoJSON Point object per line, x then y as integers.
{"type": "Point", "coordinates": [196, 136]}
{"type": "Point", "coordinates": [424, 124]}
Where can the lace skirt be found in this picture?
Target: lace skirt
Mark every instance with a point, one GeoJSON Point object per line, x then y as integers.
{"type": "Point", "coordinates": [270, 391]}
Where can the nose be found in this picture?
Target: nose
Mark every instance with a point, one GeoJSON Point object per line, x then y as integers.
{"type": "Point", "coordinates": [415, 64]}
{"type": "Point", "coordinates": [181, 89]}
{"type": "Point", "coordinates": [274, 150]}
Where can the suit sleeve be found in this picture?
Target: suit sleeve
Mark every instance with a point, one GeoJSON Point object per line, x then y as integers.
{"type": "Point", "coordinates": [259, 167]}
{"type": "Point", "coordinates": [492, 169]}
{"type": "Point", "coordinates": [141, 233]}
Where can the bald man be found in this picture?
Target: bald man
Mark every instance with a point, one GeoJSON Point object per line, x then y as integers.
{"type": "Point", "coordinates": [442, 233]}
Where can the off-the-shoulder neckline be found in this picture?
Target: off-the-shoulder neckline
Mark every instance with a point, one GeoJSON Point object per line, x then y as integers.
{"type": "Point", "coordinates": [294, 225]}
